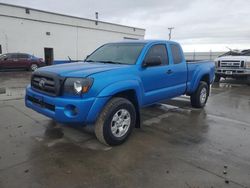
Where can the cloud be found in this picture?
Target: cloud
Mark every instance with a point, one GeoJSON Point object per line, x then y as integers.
{"type": "Point", "coordinates": [197, 23]}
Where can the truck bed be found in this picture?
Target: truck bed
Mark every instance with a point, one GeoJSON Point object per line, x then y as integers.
{"type": "Point", "coordinates": [197, 61]}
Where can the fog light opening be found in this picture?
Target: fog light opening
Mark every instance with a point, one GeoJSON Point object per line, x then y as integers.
{"type": "Point", "coordinates": [71, 111]}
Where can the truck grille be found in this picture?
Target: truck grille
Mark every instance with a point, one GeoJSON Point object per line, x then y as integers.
{"type": "Point", "coordinates": [47, 83]}
{"type": "Point", "coordinates": [231, 64]}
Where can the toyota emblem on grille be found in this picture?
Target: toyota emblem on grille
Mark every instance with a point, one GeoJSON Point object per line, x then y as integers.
{"type": "Point", "coordinates": [42, 83]}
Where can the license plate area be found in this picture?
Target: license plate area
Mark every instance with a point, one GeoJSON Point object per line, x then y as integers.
{"type": "Point", "coordinates": [38, 101]}
{"type": "Point", "coordinates": [229, 72]}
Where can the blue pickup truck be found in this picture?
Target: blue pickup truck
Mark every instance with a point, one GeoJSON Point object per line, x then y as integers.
{"type": "Point", "coordinates": [111, 85]}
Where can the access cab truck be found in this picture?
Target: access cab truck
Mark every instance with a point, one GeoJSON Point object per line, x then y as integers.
{"type": "Point", "coordinates": [110, 86]}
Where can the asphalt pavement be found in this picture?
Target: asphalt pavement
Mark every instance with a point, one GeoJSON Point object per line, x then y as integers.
{"type": "Point", "coordinates": [177, 145]}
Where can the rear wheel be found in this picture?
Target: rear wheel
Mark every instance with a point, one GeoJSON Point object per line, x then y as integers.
{"type": "Point", "coordinates": [116, 121]}
{"type": "Point", "coordinates": [33, 67]}
{"type": "Point", "coordinates": [200, 96]}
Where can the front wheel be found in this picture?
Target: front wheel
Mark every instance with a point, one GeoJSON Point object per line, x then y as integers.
{"type": "Point", "coordinates": [116, 121]}
{"type": "Point", "coordinates": [200, 96]}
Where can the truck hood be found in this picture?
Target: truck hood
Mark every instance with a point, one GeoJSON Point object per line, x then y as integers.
{"type": "Point", "coordinates": [80, 69]}
{"type": "Point", "coordinates": [234, 58]}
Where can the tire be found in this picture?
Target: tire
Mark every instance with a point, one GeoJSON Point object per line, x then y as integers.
{"type": "Point", "coordinates": [217, 78]}
{"type": "Point", "coordinates": [33, 67]}
{"type": "Point", "coordinates": [111, 131]}
{"type": "Point", "coordinates": [200, 96]}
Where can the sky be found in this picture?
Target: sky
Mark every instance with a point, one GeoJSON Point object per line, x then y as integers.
{"type": "Point", "coordinates": [199, 25]}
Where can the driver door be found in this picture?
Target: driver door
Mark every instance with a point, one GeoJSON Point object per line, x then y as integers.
{"type": "Point", "coordinates": [155, 78]}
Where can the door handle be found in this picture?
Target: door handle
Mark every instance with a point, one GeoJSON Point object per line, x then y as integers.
{"type": "Point", "coordinates": [169, 71]}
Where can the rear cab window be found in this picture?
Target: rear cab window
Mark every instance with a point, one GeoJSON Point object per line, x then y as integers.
{"type": "Point", "coordinates": [158, 50]}
{"type": "Point", "coordinates": [176, 53]}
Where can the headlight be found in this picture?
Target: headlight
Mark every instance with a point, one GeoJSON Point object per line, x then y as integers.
{"type": "Point", "coordinates": [248, 65]}
{"type": "Point", "coordinates": [77, 85]}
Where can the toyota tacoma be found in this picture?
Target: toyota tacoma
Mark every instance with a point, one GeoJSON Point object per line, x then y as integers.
{"type": "Point", "coordinates": [108, 89]}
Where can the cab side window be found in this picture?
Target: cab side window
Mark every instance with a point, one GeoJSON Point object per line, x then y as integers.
{"type": "Point", "coordinates": [176, 53]}
{"type": "Point", "coordinates": [160, 51]}
{"type": "Point", "coordinates": [7, 57]}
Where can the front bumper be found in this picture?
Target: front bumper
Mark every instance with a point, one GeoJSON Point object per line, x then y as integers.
{"type": "Point", "coordinates": [232, 72]}
{"type": "Point", "coordinates": [63, 110]}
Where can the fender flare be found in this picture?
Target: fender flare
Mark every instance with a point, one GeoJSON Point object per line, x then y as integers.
{"type": "Point", "coordinates": [197, 78]}
{"type": "Point", "coordinates": [105, 95]}
{"type": "Point", "coordinates": [122, 86]}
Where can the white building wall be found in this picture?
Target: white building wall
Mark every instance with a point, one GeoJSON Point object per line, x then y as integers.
{"type": "Point", "coordinates": [69, 36]}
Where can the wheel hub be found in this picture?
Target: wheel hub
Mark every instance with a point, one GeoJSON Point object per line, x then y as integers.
{"type": "Point", "coordinates": [120, 123]}
{"type": "Point", "coordinates": [203, 95]}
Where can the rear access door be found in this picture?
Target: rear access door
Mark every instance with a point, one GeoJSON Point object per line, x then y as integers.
{"type": "Point", "coordinates": [23, 61]}
{"type": "Point", "coordinates": [178, 78]}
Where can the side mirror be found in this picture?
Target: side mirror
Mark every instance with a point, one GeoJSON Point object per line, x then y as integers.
{"type": "Point", "coordinates": [152, 61]}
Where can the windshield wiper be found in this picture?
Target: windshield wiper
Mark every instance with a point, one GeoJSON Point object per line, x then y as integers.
{"type": "Point", "coordinates": [89, 61]}
{"type": "Point", "coordinates": [111, 62]}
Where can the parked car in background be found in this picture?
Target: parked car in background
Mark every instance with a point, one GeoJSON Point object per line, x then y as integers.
{"type": "Point", "coordinates": [20, 61]}
{"type": "Point", "coordinates": [234, 64]}
{"type": "Point", "coordinates": [109, 88]}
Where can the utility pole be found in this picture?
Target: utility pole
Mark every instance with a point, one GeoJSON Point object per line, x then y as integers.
{"type": "Point", "coordinates": [170, 32]}
{"type": "Point", "coordinates": [96, 17]}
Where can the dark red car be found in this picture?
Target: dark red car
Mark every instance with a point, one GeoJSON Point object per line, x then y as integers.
{"type": "Point", "coordinates": [20, 61]}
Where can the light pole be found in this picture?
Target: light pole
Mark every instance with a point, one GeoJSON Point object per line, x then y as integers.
{"type": "Point", "coordinates": [96, 17]}
{"type": "Point", "coordinates": [170, 32]}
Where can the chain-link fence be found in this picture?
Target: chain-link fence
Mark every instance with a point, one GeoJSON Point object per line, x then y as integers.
{"type": "Point", "coordinates": [194, 56]}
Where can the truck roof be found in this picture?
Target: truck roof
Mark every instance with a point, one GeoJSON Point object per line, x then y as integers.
{"type": "Point", "coordinates": [144, 41]}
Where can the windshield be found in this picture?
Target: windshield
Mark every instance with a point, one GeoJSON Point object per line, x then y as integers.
{"type": "Point", "coordinates": [117, 53]}
{"type": "Point", "coordinates": [245, 52]}
{"type": "Point", "coordinates": [237, 53]}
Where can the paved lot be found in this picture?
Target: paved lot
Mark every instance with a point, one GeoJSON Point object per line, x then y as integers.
{"type": "Point", "coordinates": [177, 146]}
